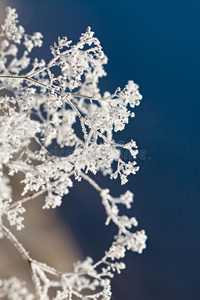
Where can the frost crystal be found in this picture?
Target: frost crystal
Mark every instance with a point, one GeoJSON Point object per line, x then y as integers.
{"type": "Point", "coordinates": [42, 104]}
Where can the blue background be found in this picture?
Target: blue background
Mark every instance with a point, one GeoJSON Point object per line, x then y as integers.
{"type": "Point", "coordinates": [157, 44]}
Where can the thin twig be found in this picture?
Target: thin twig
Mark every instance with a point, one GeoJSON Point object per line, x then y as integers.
{"type": "Point", "coordinates": [16, 243]}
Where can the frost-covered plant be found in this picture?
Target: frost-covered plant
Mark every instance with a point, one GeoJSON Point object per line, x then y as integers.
{"type": "Point", "coordinates": [43, 102]}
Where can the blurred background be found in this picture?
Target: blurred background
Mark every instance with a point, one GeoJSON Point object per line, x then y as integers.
{"type": "Point", "coordinates": [157, 44]}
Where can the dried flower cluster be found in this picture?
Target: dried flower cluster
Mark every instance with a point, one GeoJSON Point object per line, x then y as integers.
{"type": "Point", "coordinates": [43, 102]}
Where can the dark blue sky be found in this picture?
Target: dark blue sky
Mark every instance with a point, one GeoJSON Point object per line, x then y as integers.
{"type": "Point", "coordinates": [157, 44]}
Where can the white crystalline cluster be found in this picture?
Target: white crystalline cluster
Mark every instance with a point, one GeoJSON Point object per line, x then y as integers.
{"type": "Point", "coordinates": [43, 102]}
